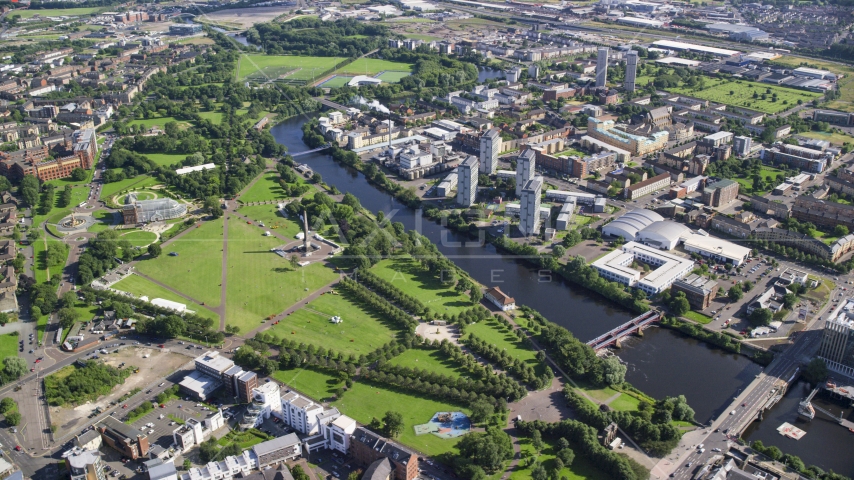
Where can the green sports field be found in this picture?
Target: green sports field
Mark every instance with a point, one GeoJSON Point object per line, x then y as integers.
{"type": "Point", "coordinates": [261, 283]}
{"type": "Point", "coordinates": [261, 68]}
{"type": "Point", "coordinates": [407, 275]}
{"type": "Point", "coordinates": [360, 332]}
{"type": "Point", "coordinates": [373, 66]}
{"type": "Point", "coordinates": [337, 81]}
{"type": "Point", "coordinates": [140, 286]}
{"type": "Point", "coordinates": [57, 12]}
{"type": "Point", "coordinates": [197, 269]}
{"type": "Point", "coordinates": [742, 95]}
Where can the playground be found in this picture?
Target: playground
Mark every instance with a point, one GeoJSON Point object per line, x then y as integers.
{"type": "Point", "coordinates": [446, 425]}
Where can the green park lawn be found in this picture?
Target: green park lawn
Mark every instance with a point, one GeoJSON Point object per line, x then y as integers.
{"type": "Point", "coordinates": [407, 275]}
{"type": "Point", "coordinates": [215, 117]}
{"type": "Point", "coordinates": [159, 121]}
{"type": "Point", "coordinates": [490, 332]}
{"type": "Point", "coordinates": [365, 401]}
{"type": "Point", "coordinates": [57, 213]}
{"type": "Point", "coordinates": [57, 12]}
{"type": "Point", "coordinates": [765, 171]}
{"type": "Point", "coordinates": [697, 317]}
{"type": "Point", "coordinates": [581, 468]}
{"type": "Point", "coordinates": [266, 188]}
{"type": "Point", "coordinates": [138, 182]}
{"type": "Point", "coordinates": [261, 283]}
{"type": "Point", "coordinates": [166, 159]}
{"type": "Point", "coordinates": [430, 360]}
{"type": "Point", "coordinates": [104, 220]}
{"type": "Point", "coordinates": [832, 137]}
{"type": "Point", "coordinates": [139, 238]}
{"type": "Point", "coordinates": [40, 269]}
{"type": "Point", "coordinates": [41, 326]}
{"type": "Point", "coordinates": [742, 94]}
{"type": "Point", "coordinates": [197, 269]}
{"type": "Point", "coordinates": [360, 333]}
{"type": "Point", "coordinates": [140, 286]}
{"type": "Point", "coordinates": [313, 383]}
{"type": "Point", "coordinates": [9, 345]}
{"type": "Point", "coordinates": [273, 221]}
{"type": "Point", "coordinates": [266, 67]}
{"type": "Point", "coordinates": [373, 66]}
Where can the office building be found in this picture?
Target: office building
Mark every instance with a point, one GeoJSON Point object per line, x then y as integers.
{"type": "Point", "coordinates": [85, 465]}
{"type": "Point", "coordinates": [244, 384]}
{"type": "Point", "coordinates": [300, 413]}
{"type": "Point", "coordinates": [490, 147]}
{"type": "Point", "coordinates": [741, 145]}
{"type": "Point", "coordinates": [608, 133]}
{"type": "Point", "coordinates": [213, 364]}
{"type": "Point", "coordinates": [467, 173]}
{"type": "Point", "coordinates": [194, 431]}
{"type": "Point", "coordinates": [529, 214]}
{"type": "Point", "coordinates": [720, 193]}
{"type": "Point", "coordinates": [602, 67]}
{"type": "Point", "coordinates": [668, 268]}
{"type": "Point", "coordinates": [525, 164]}
{"type": "Point", "coordinates": [123, 438]}
{"type": "Point", "coordinates": [266, 400]}
{"type": "Point", "coordinates": [717, 249]}
{"type": "Point", "coordinates": [837, 341]}
{"type": "Point", "coordinates": [278, 450]}
{"type": "Point", "coordinates": [698, 290]}
{"type": "Point", "coordinates": [631, 70]}
{"type": "Point", "coordinates": [367, 447]}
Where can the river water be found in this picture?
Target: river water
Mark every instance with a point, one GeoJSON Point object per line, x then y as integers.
{"type": "Point", "coordinates": [662, 363]}
{"type": "Point", "coordinates": [826, 444]}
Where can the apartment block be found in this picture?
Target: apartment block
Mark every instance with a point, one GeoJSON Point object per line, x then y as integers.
{"type": "Point", "coordinates": [467, 173]}
{"type": "Point", "coordinates": [720, 193]}
{"type": "Point", "coordinates": [529, 215]}
{"type": "Point", "coordinates": [490, 147]}
{"type": "Point", "coordinates": [367, 447]}
{"type": "Point", "coordinates": [300, 413]}
{"type": "Point", "coordinates": [607, 132]}
{"type": "Point", "coordinates": [650, 185]}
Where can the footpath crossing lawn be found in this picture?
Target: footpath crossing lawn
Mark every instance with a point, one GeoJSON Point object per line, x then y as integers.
{"type": "Point", "coordinates": [364, 401]}
{"type": "Point", "coordinates": [40, 268]}
{"type": "Point", "coordinates": [139, 238]}
{"type": "Point", "coordinates": [197, 269]}
{"type": "Point", "coordinates": [261, 283]}
{"type": "Point", "coordinates": [360, 333]}
{"type": "Point", "coordinates": [581, 468]}
{"type": "Point", "coordinates": [316, 384]}
{"type": "Point", "coordinates": [273, 221]}
{"type": "Point", "coordinates": [407, 275]}
{"type": "Point", "coordinates": [430, 360]}
{"type": "Point", "coordinates": [140, 286]}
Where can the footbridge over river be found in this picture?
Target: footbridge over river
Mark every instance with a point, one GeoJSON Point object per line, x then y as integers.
{"type": "Point", "coordinates": [807, 410]}
{"type": "Point", "coordinates": [633, 326]}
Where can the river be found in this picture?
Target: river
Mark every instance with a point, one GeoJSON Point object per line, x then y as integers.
{"type": "Point", "coordinates": [826, 445]}
{"type": "Point", "coordinates": [662, 363]}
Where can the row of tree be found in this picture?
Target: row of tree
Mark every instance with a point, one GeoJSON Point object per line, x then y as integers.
{"type": "Point", "coordinates": [514, 366]}
{"type": "Point", "coordinates": [498, 387]}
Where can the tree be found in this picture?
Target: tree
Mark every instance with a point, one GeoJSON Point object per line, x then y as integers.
{"type": "Point", "coordinates": [735, 293]}
{"type": "Point", "coordinates": [154, 250]}
{"type": "Point", "coordinates": [679, 304]}
{"type": "Point", "coordinates": [78, 174]}
{"type": "Point", "coordinates": [212, 206]}
{"type": "Point", "coordinates": [15, 367]}
{"type": "Point", "coordinates": [393, 422]}
{"type": "Point", "coordinates": [614, 372]}
{"type": "Point", "coordinates": [187, 464]}
{"type": "Point", "coordinates": [4, 318]}
{"type": "Point", "coordinates": [760, 317]}
{"type": "Point", "coordinates": [294, 260]}
{"type": "Point", "coordinates": [816, 371]}
{"type": "Point", "coordinates": [789, 300]}
{"type": "Point", "coordinates": [67, 317]}
{"type": "Point", "coordinates": [298, 473]}
{"type": "Point", "coordinates": [481, 410]}
{"type": "Point", "coordinates": [13, 418]}
{"type": "Point", "coordinates": [537, 441]}
{"type": "Point", "coordinates": [7, 405]}
{"type": "Point", "coordinates": [840, 230]}
{"type": "Point", "coordinates": [566, 455]}
{"type": "Point", "coordinates": [538, 472]}
{"type": "Point", "coordinates": [487, 450]}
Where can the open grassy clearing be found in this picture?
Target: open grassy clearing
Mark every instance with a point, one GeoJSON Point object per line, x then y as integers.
{"type": "Point", "coordinates": [266, 188]}
{"type": "Point", "coordinates": [139, 238]}
{"type": "Point", "coordinates": [159, 121]}
{"type": "Point", "coordinates": [273, 221]}
{"type": "Point", "coordinates": [423, 38]}
{"type": "Point", "coordinates": [261, 283]}
{"type": "Point", "coordinates": [360, 333]}
{"type": "Point", "coordinates": [57, 12]}
{"type": "Point", "coordinates": [697, 317]}
{"type": "Point", "coordinates": [197, 269]}
{"type": "Point", "coordinates": [138, 182]}
{"type": "Point", "coordinates": [268, 67]}
{"type": "Point", "coordinates": [373, 66]}
{"type": "Point", "coordinates": [765, 171]}
{"type": "Point", "coordinates": [165, 159]}
{"type": "Point", "coordinates": [832, 137]}
{"type": "Point", "coordinates": [314, 383]}
{"type": "Point", "coordinates": [490, 332]}
{"type": "Point", "coordinates": [215, 117]}
{"type": "Point", "coordinates": [742, 94]}
{"type": "Point", "coordinates": [104, 220]}
{"type": "Point", "coordinates": [407, 275]}
{"type": "Point", "coordinates": [430, 360]}
{"type": "Point", "coordinates": [41, 326]}
{"type": "Point", "coordinates": [9, 345]}
{"type": "Point", "coordinates": [364, 402]}
{"type": "Point", "coordinates": [140, 286]}
{"type": "Point", "coordinates": [40, 268]}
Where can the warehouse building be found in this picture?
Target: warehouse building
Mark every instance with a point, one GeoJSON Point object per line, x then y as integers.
{"type": "Point", "coordinates": [715, 248]}
{"type": "Point", "coordinates": [628, 225]}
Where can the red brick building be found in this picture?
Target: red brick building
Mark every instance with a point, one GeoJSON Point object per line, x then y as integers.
{"type": "Point", "coordinates": [367, 447]}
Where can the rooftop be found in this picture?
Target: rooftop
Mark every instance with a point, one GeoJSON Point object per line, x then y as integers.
{"type": "Point", "coordinates": [276, 444]}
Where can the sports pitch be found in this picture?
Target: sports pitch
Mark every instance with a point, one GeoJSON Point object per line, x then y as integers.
{"type": "Point", "coordinates": [262, 68]}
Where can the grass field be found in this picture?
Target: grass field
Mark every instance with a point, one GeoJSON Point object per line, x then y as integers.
{"type": "Point", "coordinates": [392, 77]}
{"type": "Point", "coordinates": [832, 137]}
{"type": "Point", "coordinates": [490, 332]}
{"type": "Point", "coordinates": [360, 333]}
{"type": "Point", "coordinates": [9, 345]}
{"type": "Point", "coordinates": [364, 402]}
{"type": "Point", "coordinates": [423, 38]}
{"type": "Point", "coordinates": [261, 283]}
{"type": "Point", "coordinates": [41, 326]}
{"type": "Point", "coordinates": [697, 317]}
{"type": "Point", "coordinates": [140, 286]}
{"type": "Point", "coordinates": [408, 276]}
{"type": "Point", "coordinates": [581, 468]}
{"type": "Point", "coordinates": [139, 238]}
{"type": "Point", "coordinates": [104, 219]}
{"type": "Point", "coordinates": [742, 94]}
{"type": "Point", "coordinates": [40, 268]}
{"type": "Point", "coordinates": [197, 269]}
{"type": "Point", "coordinates": [266, 188]}
{"type": "Point", "coordinates": [430, 360]}
{"type": "Point", "coordinates": [137, 182]}
{"type": "Point", "coordinates": [765, 171]}
{"type": "Point", "coordinates": [57, 12]}
{"type": "Point", "coordinates": [159, 121]}
{"type": "Point", "coordinates": [373, 66]}
{"type": "Point", "coordinates": [314, 383]}
{"type": "Point", "coordinates": [267, 67]}
{"type": "Point", "coordinates": [215, 117]}
{"type": "Point", "coordinates": [336, 81]}
{"type": "Point", "coordinates": [269, 215]}
{"type": "Point", "coordinates": [165, 159]}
